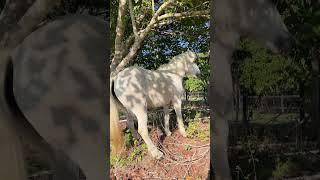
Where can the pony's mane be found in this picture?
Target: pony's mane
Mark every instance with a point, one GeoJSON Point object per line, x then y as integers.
{"type": "Point", "coordinates": [172, 63]}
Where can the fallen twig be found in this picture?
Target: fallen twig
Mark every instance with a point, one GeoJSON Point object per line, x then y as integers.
{"type": "Point", "coordinates": [193, 146]}
{"type": "Point", "coordinates": [189, 166]}
{"type": "Point", "coordinates": [186, 162]}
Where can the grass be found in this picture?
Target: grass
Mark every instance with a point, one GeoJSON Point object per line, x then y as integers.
{"type": "Point", "coordinates": [283, 169]}
{"type": "Point", "coordinates": [195, 129]}
{"type": "Point", "coordinates": [136, 152]}
{"type": "Point", "coordinates": [134, 156]}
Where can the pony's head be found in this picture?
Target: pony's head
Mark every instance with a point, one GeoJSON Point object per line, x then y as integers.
{"type": "Point", "coordinates": [182, 64]}
{"type": "Point", "coordinates": [262, 20]}
{"type": "Point", "coordinates": [191, 67]}
{"type": "Point", "coordinates": [193, 70]}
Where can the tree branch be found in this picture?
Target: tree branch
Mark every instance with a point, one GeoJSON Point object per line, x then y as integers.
{"type": "Point", "coordinates": [156, 15]}
{"type": "Point", "coordinates": [119, 33]}
{"type": "Point", "coordinates": [167, 19]}
{"type": "Point", "coordinates": [133, 21]}
{"type": "Point", "coordinates": [126, 47]}
{"type": "Point", "coordinates": [35, 14]}
{"type": "Point", "coordinates": [138, 41]}
{"type": "Point", "coordinates": [116, 65]}
{"type": "Point", "coordinates": [181, 15]}
{"type": "Point", "coordinates": [152, 4]}
{"type": "Point", "coordinates": [11, 13]}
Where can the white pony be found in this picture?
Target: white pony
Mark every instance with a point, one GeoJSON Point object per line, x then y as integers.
{"type": "Point", "coordinates": [138, 89]}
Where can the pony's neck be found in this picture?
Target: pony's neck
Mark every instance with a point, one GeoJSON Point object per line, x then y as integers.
{"type": "Point", "coordinates": [174, 70]}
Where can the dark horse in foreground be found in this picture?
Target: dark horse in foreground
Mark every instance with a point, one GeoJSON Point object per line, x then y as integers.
{"type": "Point", "coordinates": [56, 83]}
{"type": "Point", "coordinates": [258, 19]}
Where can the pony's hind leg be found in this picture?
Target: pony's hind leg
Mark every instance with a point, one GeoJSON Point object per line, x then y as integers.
{"type": "Point", "coordinates": [177, 108]}
{"type": "Point", "coordinates": [141, 114]}
{"type": "Point", "coordinates": [166, 120]}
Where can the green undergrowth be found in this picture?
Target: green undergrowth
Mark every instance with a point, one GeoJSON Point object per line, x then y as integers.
{"type": "Point", "coordinates": [135, 152]}
{"type": "Point", "coordinates": [283, 169]}
{"type": "Point", "coordinates": [196, 129]}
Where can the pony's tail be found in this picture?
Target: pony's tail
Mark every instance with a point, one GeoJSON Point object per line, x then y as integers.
{"type": "Point", "coordinates": [116, 136]}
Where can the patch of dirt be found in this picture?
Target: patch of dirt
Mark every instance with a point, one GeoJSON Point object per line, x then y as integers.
{"type": "Point", "coordinates": [184, 158]}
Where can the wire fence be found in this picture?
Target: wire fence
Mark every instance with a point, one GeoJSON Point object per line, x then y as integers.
{"type": "Point", "coordinates": [261, 104]}
{"type": "Point", "coordinates": [274, 104]}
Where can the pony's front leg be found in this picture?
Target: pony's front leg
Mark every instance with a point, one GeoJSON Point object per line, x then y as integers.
{"type": "Point", "coordinates": [177, 108]}
{"type": "Point", "coordinates": [143, 131]}
{"type": "Point", "coordinates": [166, 120]}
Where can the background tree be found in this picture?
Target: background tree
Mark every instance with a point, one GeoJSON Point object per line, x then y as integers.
{"type": "Point", "coordinates": [296, 73]}
{"type": "Point", "coordinates": [138, 21]}
{"type": "Point", "coordinates": [264, 73]}
{"type": "Point", "coordinates": [303, 19]}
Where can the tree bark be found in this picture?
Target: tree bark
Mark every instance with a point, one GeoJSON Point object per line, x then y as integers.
{"type": "Point", "coordinates": [119, 34]}
{"type": "Point", "coordinates": [133, 20]}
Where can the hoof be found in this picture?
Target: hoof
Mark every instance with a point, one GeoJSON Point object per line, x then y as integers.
{"type": "Point", "coordinates": [168, 133]}
{"type": "Point", "coordinates": [183, 132]}
{"type": "Point", "coordinates": [157, 154]}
